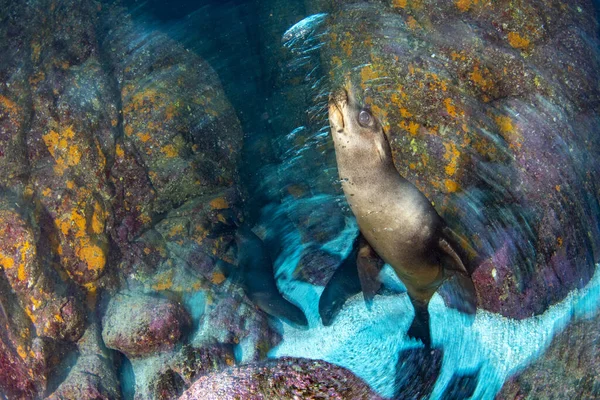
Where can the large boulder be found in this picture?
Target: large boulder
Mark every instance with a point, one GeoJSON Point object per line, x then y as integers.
{"type": "Point", "coordinates": [138, 325]}
{"type": "Point", "coordinates": [286, 378]}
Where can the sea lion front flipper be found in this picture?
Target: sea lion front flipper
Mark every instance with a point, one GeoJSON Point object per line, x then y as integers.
{"type": "Point", "coordinates": [344, 284]}
{"type": "Point", "coordinates": [369, 266]}
{"type": "Point", "coordinates": [458, 290]}
{"type": "Point", "coordinates": [419, 329]}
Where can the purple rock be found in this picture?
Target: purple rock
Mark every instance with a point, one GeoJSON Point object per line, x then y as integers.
{"type": "Point", "coordinates": [139, 325]}
{"type": "Point", "coordinates": [285, 378]}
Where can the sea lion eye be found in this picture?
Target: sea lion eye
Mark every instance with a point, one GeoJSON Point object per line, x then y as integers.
{"type": "Point", "coordinates": [365, 118]}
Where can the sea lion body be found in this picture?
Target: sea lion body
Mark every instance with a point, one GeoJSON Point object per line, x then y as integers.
{"type": "Point", "coordinates": [394, 217]}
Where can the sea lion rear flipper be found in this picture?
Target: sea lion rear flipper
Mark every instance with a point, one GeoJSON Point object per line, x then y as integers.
{"type": "Point", "coordinates": [369, 265]}
{"type": "Point", "coordinates": [419, 329]}
{"type": "Point", "coordinates": [458, 290]}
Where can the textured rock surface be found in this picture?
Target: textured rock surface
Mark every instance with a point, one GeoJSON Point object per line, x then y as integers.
{"type": "Point", "coordinates": [100, 140]}
{"type": "Point", "coordinates": [141, 325]}
{"type": "Point", "coordinates": [93, 375]}
{"type": "Point", "coordinates": [286, 378]}
{"type": "Point", "coordinates": [570, 368]}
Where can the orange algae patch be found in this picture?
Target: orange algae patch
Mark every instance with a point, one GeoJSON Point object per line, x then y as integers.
{"type": "Point", "coordinates": [144, 137]}
{"type": "Point", "coordinates": [479, 80]}
{"type": "Point", "coordinates": [452, 155]}
{"type": "Point", "coordinates": [410, 127]}
{"type": "Point", "coordinates": [170, 151]}
{"type": "Point", "coordinates": [218, 278]}
{"type": "Point", "coordinates": [517, 41]}
{"type": "Point", "coordinates": [64, 154]}
{"type": "Point", "coordinates": [22, 352]}
{"type": "Point", "coordinates": [450, 108]}
{"type": "Point", "coordinates": [93, 256]}
{"type": "Point", "coordinates": [465, 5]}
{"type": "Point", "coordinates": [119, 151]}
{"type": "Point", "coordinates": [219, 203]}
{"type": "Point", "coordinates": [98, 219]}
{"type": "Point", "coordinates": [347, 44]}
{"type": "Point", "coordinates": [30, 315]}
{"type": "Point", "coordinates": [508, 131]}
{"type": "Point", "coordinates": [8, 105]}
{"type": "Point", "coordinates": [164, 281]}
{"type": "Point", "coordinates": [36, 303]}
{"type": "Point", "coordinates": [176, 230]}
{"type": "Point", "coordinates": [451, 186]}
{"type": "Point", "coordinates": [6, 262]}
{"type": "Point", "coordinates": [412, 22]}
{"type": "Point", "coordinates": [399, 3]}
{"type": "Point", "coordinates": [367, 74]}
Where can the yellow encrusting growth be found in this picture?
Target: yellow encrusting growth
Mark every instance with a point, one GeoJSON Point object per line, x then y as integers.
{"type": "Point", "coordinates": [60, 147]}
{"type": "Point", "coordinates": [219, 203]}
{"type": "Point", "coordinates": [517, 41]}
{"type": "Point", "coordinates": [508, 131]}
{"type": "Point", "coordinates": [451, 186]}
{"type": "Point", "coordinates": [170, 151]}
{"type": "Point", "coordinates": [450, 108]}
{"type": "Point", "coordinates": [452, 155]}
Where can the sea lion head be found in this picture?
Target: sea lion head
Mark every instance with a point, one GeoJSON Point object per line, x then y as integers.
{"type": "Point", "coordinates": [355, 130]}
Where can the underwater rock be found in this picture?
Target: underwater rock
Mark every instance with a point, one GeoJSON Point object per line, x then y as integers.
{"type": "Point", "coordinates": [176, 120]}
{"type": "Point", "coordinates": [569, 369]}
{"type": "Point", "coordinates": [192, 362]}
{"type": "Point", "coordinates": [233, 319]}
{"type": "Point", "coordinates": [167, 375]}
{"type": "Point", "coordinates": [138, 325]}
{"type": "Point", "coordinates": [41, 293]}
{"type": "Point", "coordinates": [71, 135]}
{"type": "Point", "coordinates": [285, 378]}
{"type": "Point", "coordinates": [473, 98]}
{"type": "Point", "coordinates": [100, 140]}
{"type": "Point", "coordinates": [93, 376]}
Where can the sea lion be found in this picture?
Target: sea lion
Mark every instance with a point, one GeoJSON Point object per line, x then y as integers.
{"type": "Point", "coordinates": [257, 278]}
{"type": "Point", "coordinates": [395, 218]}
